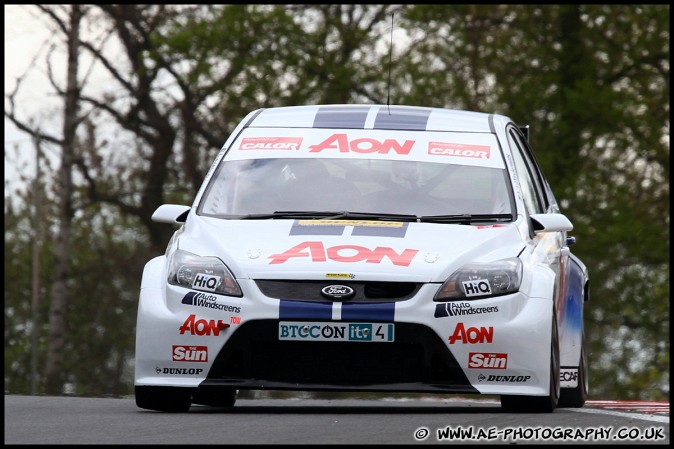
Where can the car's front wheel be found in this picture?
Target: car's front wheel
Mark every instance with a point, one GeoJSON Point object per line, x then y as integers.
{"type": "Point", "coordinates": [165, 399]}
{"type": "Point", "coordinates": [539, 404]}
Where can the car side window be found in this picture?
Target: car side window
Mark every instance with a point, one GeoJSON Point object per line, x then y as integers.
{"type": "Point", "coordinates": [527, 172]}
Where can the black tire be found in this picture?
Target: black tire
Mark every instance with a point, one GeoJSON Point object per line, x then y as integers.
{"type": "Point", "coordinates": [576, 397]}
{"type": "Point", "coordinates": [539, 404]}
{"type": "Point", "coordinates": [164, 399]}
{"type": "Point", "coordinates": [215, 396]}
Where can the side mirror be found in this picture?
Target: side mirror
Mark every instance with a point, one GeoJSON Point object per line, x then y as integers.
{"type": "Point", "coordinates": [171, 213]}
{"type": "Point", "coordinates": [550, 223]}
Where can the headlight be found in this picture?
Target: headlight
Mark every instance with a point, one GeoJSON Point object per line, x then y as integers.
{"type": "Point", "coordinates": [207, 274]}
{"type": "Point", "coordinates": [480, 280]}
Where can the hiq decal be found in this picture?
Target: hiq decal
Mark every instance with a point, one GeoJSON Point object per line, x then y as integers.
{"type": "Point", "coordinates": [204, 281]}
{"type": "Point", "coordinates": [476, 287]}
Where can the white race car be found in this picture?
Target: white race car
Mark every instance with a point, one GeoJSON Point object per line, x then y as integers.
{"type": "Point", "coordinates": [366, 248]}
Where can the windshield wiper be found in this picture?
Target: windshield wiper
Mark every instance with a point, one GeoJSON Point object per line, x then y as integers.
{"type": "Point", "coordinates": [466, 218]}
{"type": "Point", "coordinates": [335, 215]}
{"type": "Point", "coordinates": [328, 215]}
{"type": "Point", "coordinates": [288, 214]}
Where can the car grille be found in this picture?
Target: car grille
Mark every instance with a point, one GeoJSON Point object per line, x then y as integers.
{"type": "Point", "coordinates": [365, 291]}
{"type": "Point", "coordinates": [255, 358]}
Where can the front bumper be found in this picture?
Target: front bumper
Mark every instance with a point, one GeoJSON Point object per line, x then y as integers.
{"type": "Point", "coordinates": [491, 346]}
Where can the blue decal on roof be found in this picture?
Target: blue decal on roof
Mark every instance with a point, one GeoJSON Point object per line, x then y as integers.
{"type": "Point", "coordinates": [352, 311]}
{"type": "Point", "coordinates": [402, 118]}
{"type": "Point", "coordinates": [304, 310]}
{"type": "Point", "coordinates": [341, 117]}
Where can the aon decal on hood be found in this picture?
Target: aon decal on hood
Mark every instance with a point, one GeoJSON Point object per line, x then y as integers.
{"type": "Point", "coordinates": [345, 253]}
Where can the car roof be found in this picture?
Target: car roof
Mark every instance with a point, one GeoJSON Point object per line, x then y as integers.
{"type": "Point", "coordinates": [375, 116]}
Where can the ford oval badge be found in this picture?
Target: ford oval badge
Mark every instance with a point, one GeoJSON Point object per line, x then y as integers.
{"type": "Point", "coordinates": [338, 292]}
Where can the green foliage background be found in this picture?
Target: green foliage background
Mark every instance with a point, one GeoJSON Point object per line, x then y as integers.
{"type": "Point", "coordinates": [592, 81]}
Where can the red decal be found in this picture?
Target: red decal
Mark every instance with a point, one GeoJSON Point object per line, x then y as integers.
{"type": "Point", "coordinates": [472, 334]}
{"type": "Point", "coordinates": [316, 252]}
{"type": "Point", "coordinates": [202, 327]}
{"type": "Point", "coordinates": [459, 149]}
{"type": "Point", "coordinates": [487, 360]}
{"type": "Point", "coordinates": [345, 253]}
{"type": "Point", "coordinates": [364, 145]}
{"type": "Point", "coordinates": [271, 143]}
{"type": "Point", "coordinates": [190, 353]}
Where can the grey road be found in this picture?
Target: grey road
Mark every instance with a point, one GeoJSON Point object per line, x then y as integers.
{"type": "Point", "coordinates": [79, 420]}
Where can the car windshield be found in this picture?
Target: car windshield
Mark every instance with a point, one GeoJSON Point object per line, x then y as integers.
{"type": "Point", "coordinates": [373, 186]}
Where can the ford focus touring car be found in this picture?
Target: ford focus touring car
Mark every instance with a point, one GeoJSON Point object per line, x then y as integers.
{"type": "Point", "coordinates": [367, 248]}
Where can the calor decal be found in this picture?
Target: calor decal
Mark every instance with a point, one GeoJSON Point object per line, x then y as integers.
{"type": "Point", "coordinates": [270, 143]}
{"type": "Point", "coordinates": [458, 149]}
{"type": "Point", "coordinates": [472, 334]}
{"type": "Point", "coordinates": [345, 253]}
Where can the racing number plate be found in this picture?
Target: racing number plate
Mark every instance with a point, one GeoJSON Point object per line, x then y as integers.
{"type": "Point", "coordinates": [323, 331]}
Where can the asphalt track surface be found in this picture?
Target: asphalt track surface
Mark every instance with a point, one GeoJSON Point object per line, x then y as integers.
{"type": "Point", "coordinates": [297, 420]}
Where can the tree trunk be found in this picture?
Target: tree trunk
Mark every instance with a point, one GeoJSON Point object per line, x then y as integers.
{"type": "Point", "coordinates": [59, 290]}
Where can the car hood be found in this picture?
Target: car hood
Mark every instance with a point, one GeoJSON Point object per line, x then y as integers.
{"type": "Point", "coordinates": [347, 249]}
